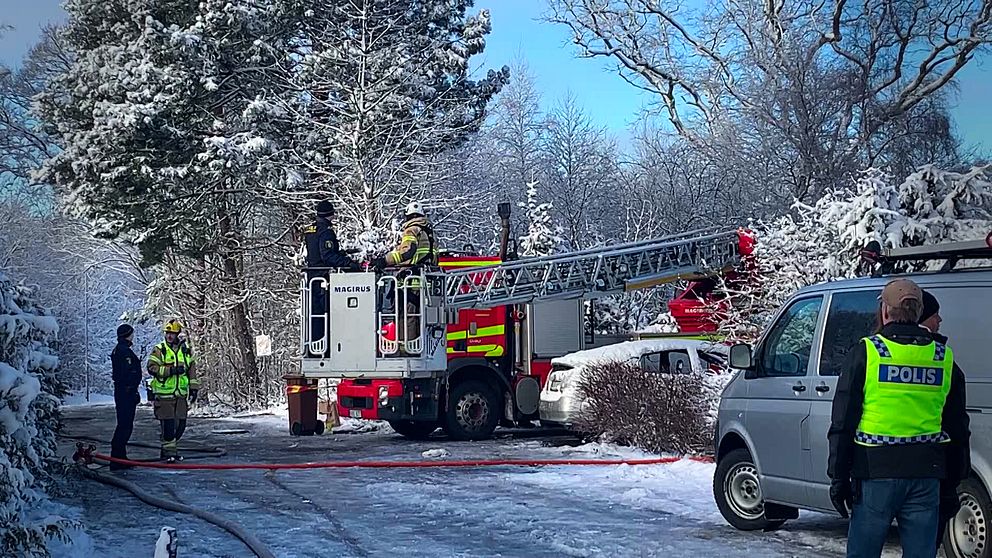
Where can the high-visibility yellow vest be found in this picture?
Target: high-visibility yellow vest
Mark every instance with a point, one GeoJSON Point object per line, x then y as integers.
{"type": "Point", "coordinates": [905, 390]}
{"type": "Point", "coordinates": [168, 387]}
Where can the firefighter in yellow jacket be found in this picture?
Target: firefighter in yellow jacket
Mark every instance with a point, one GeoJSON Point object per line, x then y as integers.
{"type": "Point", "coordinates": [417, 247]}
{"type": "Point", "coordinates": [174, 386]}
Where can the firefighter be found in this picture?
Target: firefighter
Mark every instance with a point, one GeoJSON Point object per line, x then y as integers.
{"type": "Point", "coordinates": [127, 377]}
{"type": "Point", "coordinates": [416, 248]}
{"type": "Point", "coordinates": [891, 420]}
{"type": "Point", "coordinates": [417, 245]}
{"type": "Point", "coordinates": [174, 385]}
{"type": "Point", "coordinates": [959, 448]}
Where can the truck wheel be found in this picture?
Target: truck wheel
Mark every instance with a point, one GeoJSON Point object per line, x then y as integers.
{"type": "Point", "coordinates": [413, 429]}
{"type": "Point", "coordinates": [473, 411]}
{"type": "Point", "coordinates": [967, 534]}
{"type": "Point", "coordinates": [737, 491]}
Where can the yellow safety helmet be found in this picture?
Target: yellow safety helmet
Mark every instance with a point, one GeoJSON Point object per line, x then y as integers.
{"type": "Point", "coordinates": [173, 326]}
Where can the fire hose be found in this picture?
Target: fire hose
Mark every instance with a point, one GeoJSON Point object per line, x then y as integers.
{"type": "Point", "coordinates": [89, 454]}
{"type": "Point", "coordinates": [255, 545]}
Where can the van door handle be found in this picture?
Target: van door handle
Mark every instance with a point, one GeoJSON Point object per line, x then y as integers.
{"type": "Point", "coordinates": [822, 388]}
{"type": "Point", "coordinates": [799, 387]}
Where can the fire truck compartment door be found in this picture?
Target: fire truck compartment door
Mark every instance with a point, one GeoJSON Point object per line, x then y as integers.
{"type": "Point", "coordinates": [556, 327]}
{"type": "Point", "coordinates": [352, 323]}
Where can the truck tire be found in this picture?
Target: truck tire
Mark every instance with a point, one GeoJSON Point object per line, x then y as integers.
{"type": "Point", "coordinates": [472, 411]}
{"type": "Point", "coordinates": [413, 429]}
{"type": "Point", "coordinates": [967, 534]}
{"type": "Point", "coordinates": [737, 492]}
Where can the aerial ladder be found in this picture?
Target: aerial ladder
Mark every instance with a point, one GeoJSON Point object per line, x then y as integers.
{"type": "Point", "coordinates": [393, 337]}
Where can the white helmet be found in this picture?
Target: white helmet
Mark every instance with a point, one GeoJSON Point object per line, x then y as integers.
{"type": "Point", "coordinates": [415, 208]}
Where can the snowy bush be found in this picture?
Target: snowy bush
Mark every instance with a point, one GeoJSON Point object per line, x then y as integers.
{"type": "Point", "coordinates": [821, 242]}
{"type": "Point", "coordinates": [663, 413]}
{"type": "Point", "coordinates": [29, 417]}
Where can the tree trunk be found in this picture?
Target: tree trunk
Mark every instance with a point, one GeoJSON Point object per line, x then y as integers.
{"type": "Point", "coordinates": [241, 329]}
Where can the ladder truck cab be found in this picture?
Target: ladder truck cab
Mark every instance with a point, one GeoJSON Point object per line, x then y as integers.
{"type": "Point", "coordinates": [467, 346]}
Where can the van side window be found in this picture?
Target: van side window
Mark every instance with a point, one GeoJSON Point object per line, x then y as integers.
{"type": "Point", "coordinates": [852, 315]}
{"type": "Point", "coordinates": [786, 351]}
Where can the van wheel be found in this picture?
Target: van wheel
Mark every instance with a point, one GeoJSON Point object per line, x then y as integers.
{"type": "Point", "coordinates": [473, 411]}
{"type": "Point", "coordinates": [737, 491]}
{"type": "Point", "coordinates": [967, 534]}
{"type": "Point", "coordinates": [413, 430]}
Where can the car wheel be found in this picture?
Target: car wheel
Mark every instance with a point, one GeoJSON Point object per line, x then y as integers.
{"type": "Point", "coordinates": [473, 411]}
{"type": "Point", "coordinates": [413, 430]}
{"type": "Point", "coordinates": [737, 491]}
{"type": "Point", "coordinates": [967, 534]}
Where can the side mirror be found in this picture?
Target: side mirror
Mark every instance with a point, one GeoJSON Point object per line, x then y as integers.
{"type": "Point", "coordinates": [741, 357]}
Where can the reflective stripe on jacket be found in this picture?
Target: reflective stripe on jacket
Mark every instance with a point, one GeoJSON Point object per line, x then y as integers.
{"type": "Point", "coordinates": [416, 246]}
{"type": "Point", "coordinates": [165, 385]}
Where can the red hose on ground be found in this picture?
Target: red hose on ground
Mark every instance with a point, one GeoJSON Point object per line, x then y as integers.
{"type": "Point", "coordinates": [396, 464]}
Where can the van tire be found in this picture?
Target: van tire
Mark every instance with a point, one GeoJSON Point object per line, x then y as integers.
{"type": "Point", "coordinates": [967, 534]}
{"type": "Point", "coordinates": [472, 412]}
{"type": "Point", "coordinates": [738, 494]}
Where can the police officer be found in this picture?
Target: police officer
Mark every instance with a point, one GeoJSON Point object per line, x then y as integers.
{"type": "Point", "coordinates": [127, 377]}
{"type": "Point", "coordinates": [323, 249]}
{"type": "Point", "coordinates": [958, 450]}
{"type": "Point", "coordinates": [174, 385]}
{"type": "Point", "coordinates": [891, 419]}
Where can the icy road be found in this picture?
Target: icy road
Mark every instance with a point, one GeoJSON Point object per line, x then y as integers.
{"type": "Point", "coordinates": [656, 510]}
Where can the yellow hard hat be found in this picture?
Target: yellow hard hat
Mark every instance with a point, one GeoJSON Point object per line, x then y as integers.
{"type": "Point", "coordinates": [173, 326]}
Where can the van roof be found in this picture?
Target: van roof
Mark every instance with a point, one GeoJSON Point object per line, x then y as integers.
{"type": "Point", "coordinates": [925, 279]}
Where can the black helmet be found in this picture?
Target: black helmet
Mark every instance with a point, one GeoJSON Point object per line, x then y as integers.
{"type": "Point", "coordinates": [124, 330]}
{"type": "Point", "coordinates": [325, 208]}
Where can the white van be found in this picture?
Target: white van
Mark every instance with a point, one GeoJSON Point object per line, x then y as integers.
{"type": "Point", "coordinates": [771, 436]}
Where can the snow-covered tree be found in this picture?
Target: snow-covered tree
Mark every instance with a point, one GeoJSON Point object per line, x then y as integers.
{"type": "Point", "coordinates": [389, 90]}
{"type": "Point", "coordinates": [821, 242]}
{"type": "Point", "coordinates": [29, 417]}
{"type": "Point", "coordinates": [543, 236]}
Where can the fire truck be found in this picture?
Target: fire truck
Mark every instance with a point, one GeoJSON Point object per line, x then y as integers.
{"type": "Point", "coordinates": [467, 346]}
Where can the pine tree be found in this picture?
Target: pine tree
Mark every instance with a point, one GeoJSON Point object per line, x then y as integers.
{"type": "Point", "coordinates": [390, 91]}
{"type": "Point", "coordinates": [29, 397]}
{"type": "Point", "coordinates": [543, 237]}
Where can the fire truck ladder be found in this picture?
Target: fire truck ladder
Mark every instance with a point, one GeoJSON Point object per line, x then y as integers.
{"type": "Point", "coordinates": [593, 273]}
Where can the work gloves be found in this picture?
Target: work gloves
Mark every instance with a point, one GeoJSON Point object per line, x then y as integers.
{"type": "Point", "coordinates": [193, 395]}
{"type": "Point", "coordinates": [950, 503]}
{"type": "Point", "coordinates": [379, 264]}
{"type": "Point", "coordinates": [177, 370]}
{"type": "Point", "coordinates": [842, 496]}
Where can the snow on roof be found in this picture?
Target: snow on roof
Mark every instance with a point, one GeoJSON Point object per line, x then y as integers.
{"type": "Point", "coordinates": [634, 349]}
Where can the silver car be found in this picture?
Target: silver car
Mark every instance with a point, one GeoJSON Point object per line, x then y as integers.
{"type": "Point", "coordinates": [561, 400]}
{"type": "Point", "coordinates": [771, 439]}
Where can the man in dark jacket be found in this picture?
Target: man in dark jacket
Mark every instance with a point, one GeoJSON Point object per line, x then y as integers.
{"type": "Point", "coordinates": [959, 448]}
{"type": "Point", "coordinates": [323, 249]}
{"type": "Point", "coordinates": [127, 377]}
{"type": "Point", "coordinates": [896, 408]}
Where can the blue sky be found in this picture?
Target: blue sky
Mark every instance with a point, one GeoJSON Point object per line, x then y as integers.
{"type": "Point", "coordinates": [518, 32]}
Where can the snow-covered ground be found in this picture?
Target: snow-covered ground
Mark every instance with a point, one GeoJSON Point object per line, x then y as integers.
{"type": "Point", "coordinates": [662, 510]}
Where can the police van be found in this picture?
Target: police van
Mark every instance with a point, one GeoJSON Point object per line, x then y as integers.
{"type": "Point", "coordinates": [771, 435]}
